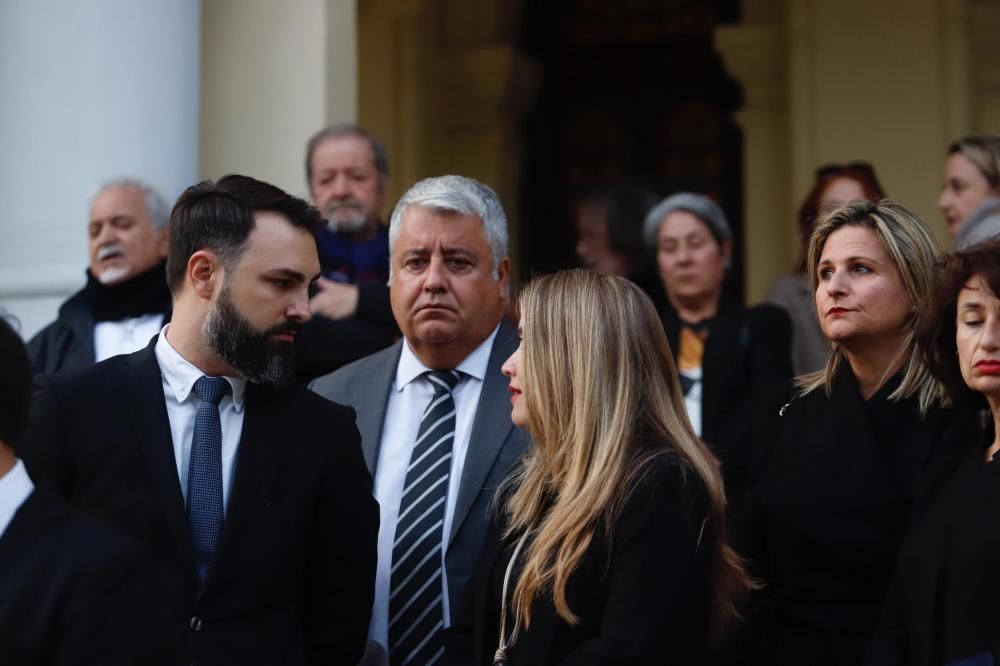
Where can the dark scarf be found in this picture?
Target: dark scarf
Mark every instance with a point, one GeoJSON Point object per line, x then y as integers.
{"type": "Point", "coordinates": [146, 293]}
{"type": "Point", "coordinates": [852, 472]}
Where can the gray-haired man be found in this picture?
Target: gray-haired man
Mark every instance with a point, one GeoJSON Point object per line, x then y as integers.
{"type": "Point", "coordinates": [126, 298]}
{"type": "Point", "coordinates": [434, 411]}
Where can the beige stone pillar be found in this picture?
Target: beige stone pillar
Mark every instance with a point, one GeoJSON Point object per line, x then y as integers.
{"type": "Point", "coordinates": [438, 102]}
{"type": "Point", "coordinates": [884, 89]}
{"type": "Point", "coordinates": [756, 55]}
{"type": "Point", "coordinates": [983, 20]}
{"type": "Point", "coordinates": [272, 74]}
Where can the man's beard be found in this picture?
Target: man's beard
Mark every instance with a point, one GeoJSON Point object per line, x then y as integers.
{"type": "Point", "coordinates": [345, 216]}
{"type": "Point", "coordinates": [249, 351]}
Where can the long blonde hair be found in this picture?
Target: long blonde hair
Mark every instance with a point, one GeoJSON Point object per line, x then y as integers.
{"type": "Point", "coordinates": [603, 399]}
{"type": "Point", "coordinates": [910, 245]}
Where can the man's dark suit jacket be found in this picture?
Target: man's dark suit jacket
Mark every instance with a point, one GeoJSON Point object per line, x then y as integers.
{"type": "Point", "coordinates": [293, 577]}
{"type": "Point", "coordinates": [494, 443]}
{"type": "Point", "coordinates": [74, 591]}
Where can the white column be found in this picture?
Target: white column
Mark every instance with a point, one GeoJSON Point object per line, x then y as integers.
{"type": "Point", "coordinates": [91, 91]}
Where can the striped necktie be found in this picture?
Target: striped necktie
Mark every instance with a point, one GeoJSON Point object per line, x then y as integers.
{"type": "Point", "coordinates": [204, 496]}
{"type": "Point", "coordinates": [416, 611]}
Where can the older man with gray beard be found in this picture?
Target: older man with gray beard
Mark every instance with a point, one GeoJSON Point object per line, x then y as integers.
{"type": "Point", "coordinates": [126, 300]}
{"type": "Point", "coordinates": [347, 169]}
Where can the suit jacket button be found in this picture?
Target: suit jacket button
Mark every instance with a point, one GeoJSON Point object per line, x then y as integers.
{"type": "Point", "coordinates": [195, 623]}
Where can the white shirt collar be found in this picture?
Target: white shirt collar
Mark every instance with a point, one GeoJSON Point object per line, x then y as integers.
{"type": "Point", "coordinates": [474, 365]}
{"type": "Point", "coordinates": [15, 487]}
{"type": "Point", "coordinates": [181, 375]}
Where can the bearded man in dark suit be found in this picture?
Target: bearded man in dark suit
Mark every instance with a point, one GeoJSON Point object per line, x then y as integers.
{"type": "Point", "coordinates": [252, 495]}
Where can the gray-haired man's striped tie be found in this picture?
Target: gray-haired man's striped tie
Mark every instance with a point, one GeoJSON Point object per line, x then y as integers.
{"type": "Point", "coordinates": [415, 589]}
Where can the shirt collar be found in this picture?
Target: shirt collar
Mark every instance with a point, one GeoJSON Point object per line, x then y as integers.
{"type": "Point", "coordinates": [181, 375]}
{"type": "Point", "coordinates": [15, 487]}
{"type": "Point", "coordinates": [474, 365]}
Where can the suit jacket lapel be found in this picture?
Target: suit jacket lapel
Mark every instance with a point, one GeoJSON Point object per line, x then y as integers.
{"type": "Point", "coordinates": [142, 391]}
{"type": "Point", "coordinates": [31, 519]}
{"type": "Point", "coordinates": [490, 428]}
{"type": "Point", "coordinates": [375, 382]}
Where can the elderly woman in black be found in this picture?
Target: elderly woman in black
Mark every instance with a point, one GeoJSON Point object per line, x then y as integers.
{"type": "Point", "coordinates": [944, 604]}
{"type": "Point", "coordinates": [725, 353]}
{"type": "Point", "coordinates": [846, 456]}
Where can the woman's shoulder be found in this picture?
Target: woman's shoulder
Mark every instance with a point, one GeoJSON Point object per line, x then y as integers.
{"type": "Point", "coordinates": [668, 482]}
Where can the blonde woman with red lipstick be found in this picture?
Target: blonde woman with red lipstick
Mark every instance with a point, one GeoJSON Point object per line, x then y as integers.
{"type": "Point", "coordinates": [609, 546]}
{"type": "Point", "coordinates": [943, 607]}
{"type": "Point", "coordinates": [847, 456]}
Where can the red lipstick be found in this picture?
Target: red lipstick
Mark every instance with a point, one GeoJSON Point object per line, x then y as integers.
{"type": "Point", "coordinates": [989, 366]}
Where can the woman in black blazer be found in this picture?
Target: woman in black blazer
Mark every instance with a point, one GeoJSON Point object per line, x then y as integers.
{"type": "Point", "coordinates": [846, 457]}
{"type": "Point", "coordinates": [609, 545]}
{"type": "Point", "coordinates": [726, 354]}
{"type": "Point", "coordinates": [944, 603]}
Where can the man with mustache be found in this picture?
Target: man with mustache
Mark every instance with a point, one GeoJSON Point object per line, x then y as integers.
{"type": "Point", "coordinates": [434, 411]}
{"type": "Point", "coordinates": [126, 299]}
{"type": "Point", "coordinates": [250, 492]}
{"type": "Point", "coordinates": [347, 170]}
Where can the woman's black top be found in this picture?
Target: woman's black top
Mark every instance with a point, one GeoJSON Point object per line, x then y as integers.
{"type": "Point", "coordinates": [641, 597]}
{"type": "Point", "coordinates": [835, 483]}
{"type": "Point", "coordinates": [944, 602]}
{"type": "Point", "coordinates": [746, 351]}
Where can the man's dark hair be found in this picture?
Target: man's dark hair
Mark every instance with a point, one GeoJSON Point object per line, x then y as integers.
{"type": "Point", "coordinates": [936, 332]}
{"type": "Point", "coordinates": [219, 217]}
{"type": "Point", "coordinates": [15, 384]}
{"type": "Point", "coordinates": [379, 155]}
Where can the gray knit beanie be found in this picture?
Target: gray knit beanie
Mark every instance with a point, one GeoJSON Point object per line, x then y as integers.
{"type": "Point", "coordinates": [698, 205]}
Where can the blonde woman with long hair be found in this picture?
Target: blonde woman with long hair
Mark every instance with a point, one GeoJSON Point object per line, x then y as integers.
{"type": "Point", "coordinates": [610, 542]}
{"type": "Point", "coordinates": [848, 456]}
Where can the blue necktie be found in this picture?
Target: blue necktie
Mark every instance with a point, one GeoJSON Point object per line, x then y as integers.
{"type": "Point", "coordinates": [204, 496]}
{"type": "Point", "coordinates": [416, 610]}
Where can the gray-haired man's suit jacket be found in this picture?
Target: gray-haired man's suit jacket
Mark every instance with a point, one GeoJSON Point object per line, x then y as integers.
{"type": "Point", "coordinates": [494, 444]}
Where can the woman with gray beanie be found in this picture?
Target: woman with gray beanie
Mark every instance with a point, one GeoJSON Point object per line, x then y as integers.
{"type": "Point", "coordinates": [725, 353]}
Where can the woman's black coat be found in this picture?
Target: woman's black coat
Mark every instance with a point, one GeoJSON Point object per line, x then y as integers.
{"type": "Point", "coordinates": [835, 484]}
{"type": "Point", "coordinates": [944, 602]}
{"type": "Point", "coordinates": [747, 350]}
{"type": "Point", "coordinates": [642, 598]}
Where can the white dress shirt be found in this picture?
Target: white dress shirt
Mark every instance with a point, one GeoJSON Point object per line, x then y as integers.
{"type": "Point", "coordinates": [692, 401]}
{"type": "Point", "coordinates": [409, 396]}
{"type": "Point", "coordinates": [182, 403]}
{"type": "Point", "coordinates": [15, 488]}
{"type": "Point", "coordinates": [125, 336]}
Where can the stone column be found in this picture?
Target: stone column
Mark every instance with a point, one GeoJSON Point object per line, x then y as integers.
{"type": "Point", "coordinates": [272, 74]}
{"type": "Point", "coordinates": [756, 55]}
{"type": "Point", "coordinates": [91, 91]}
{"type": "Point", "coordinates": [983, 61]}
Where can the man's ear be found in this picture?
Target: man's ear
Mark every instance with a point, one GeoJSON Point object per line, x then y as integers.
{"type": "Point", "coordinates": [204, 271]}
{"type": "Point", "coordinates": [163, 242]}
{"type": "Point", "coordinates": [382, 193]}
{"type": "Point", "coordinates": [726, 250]}
{"type": "Point", "coordinates": [503, 275]}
